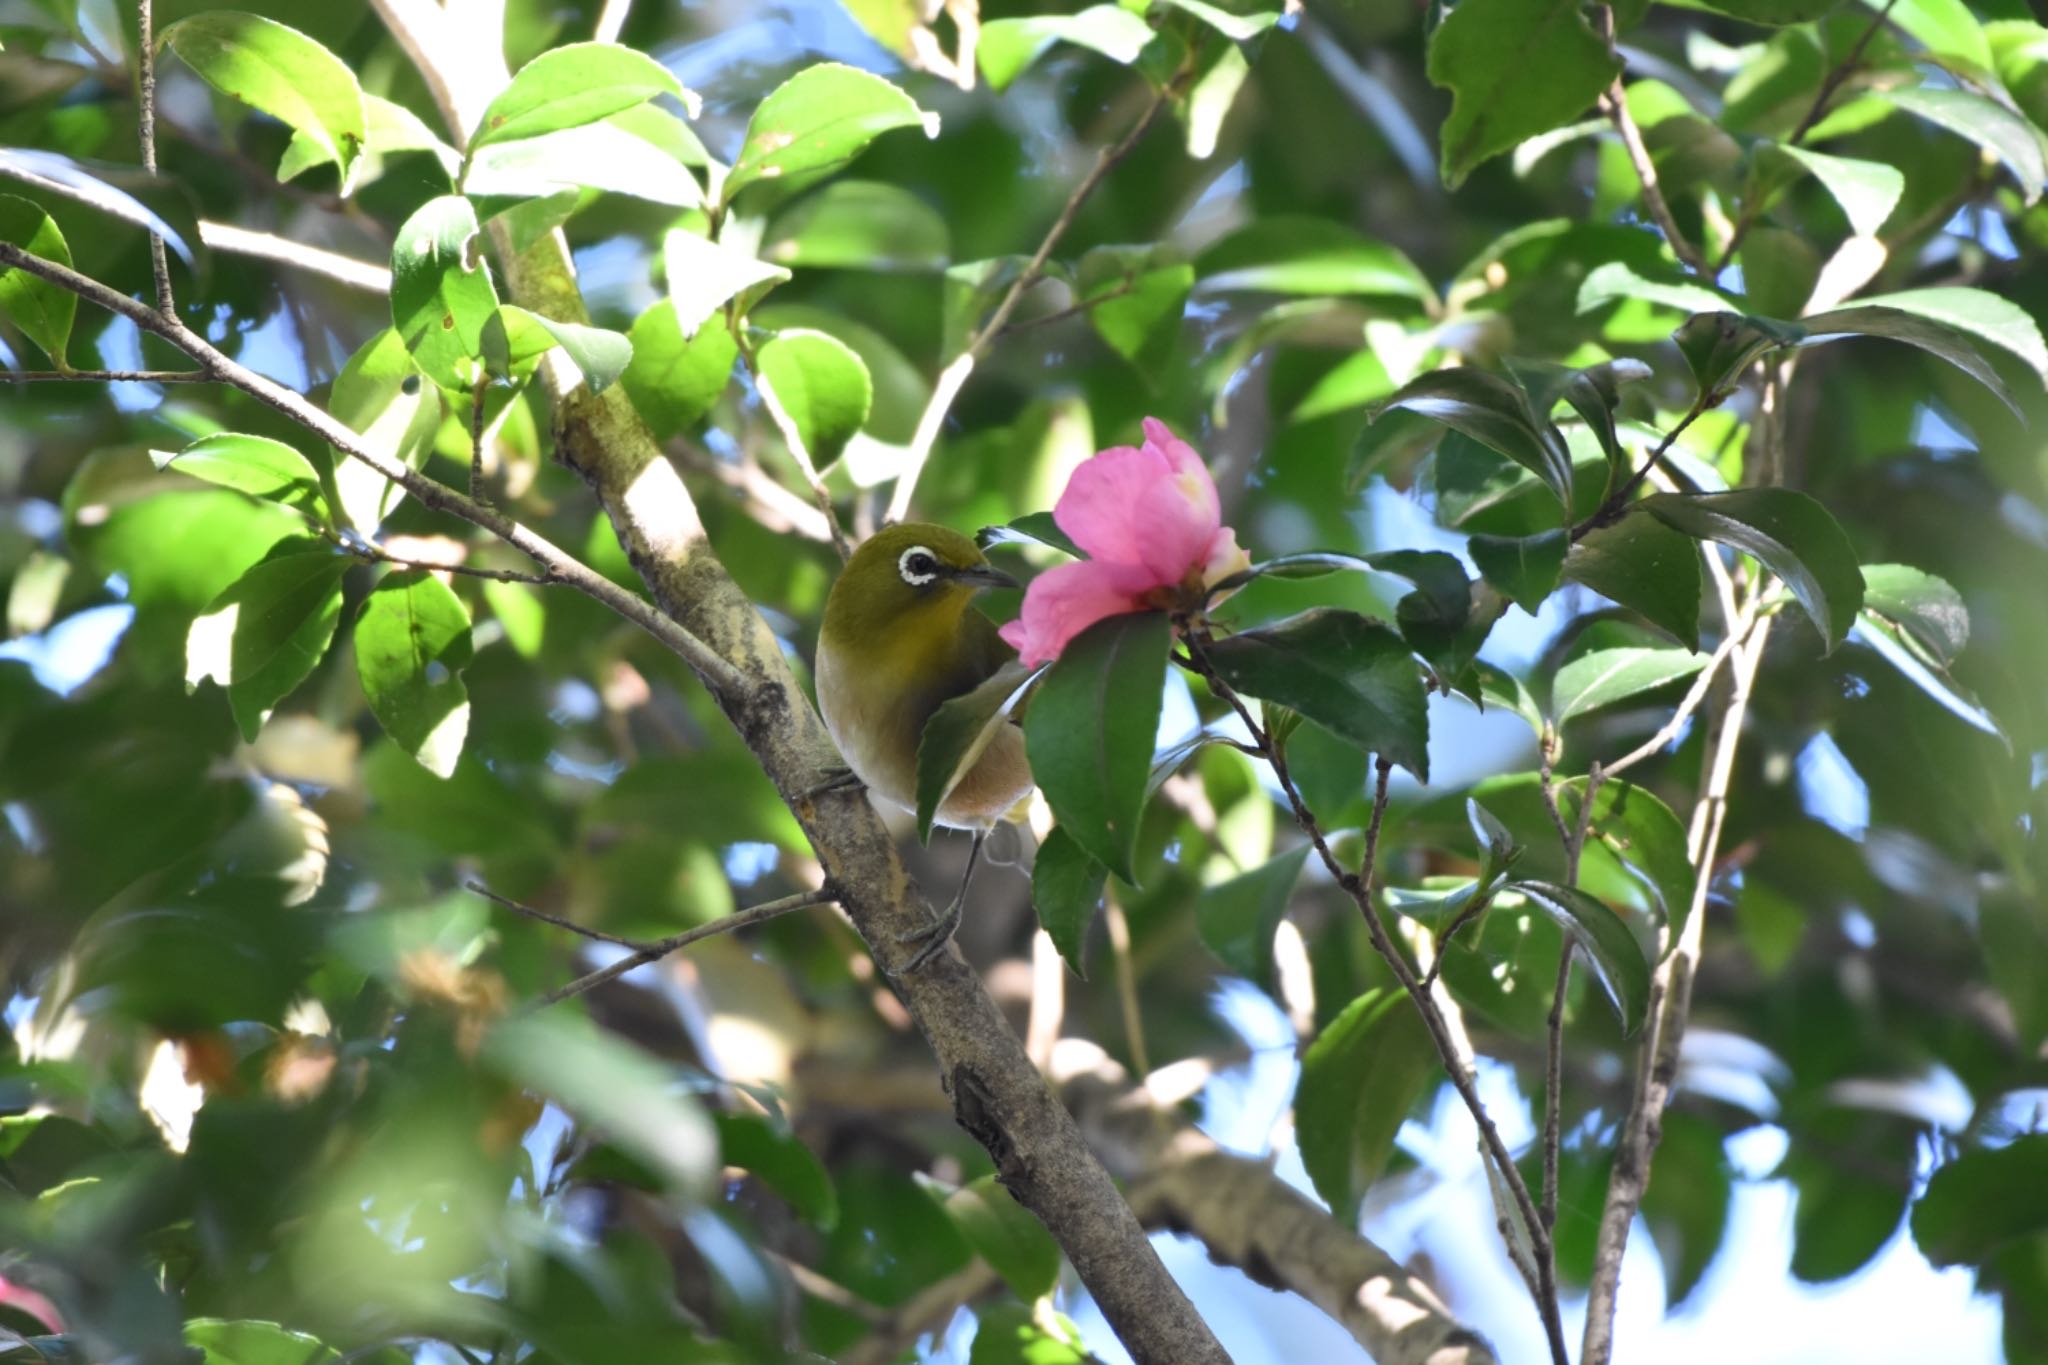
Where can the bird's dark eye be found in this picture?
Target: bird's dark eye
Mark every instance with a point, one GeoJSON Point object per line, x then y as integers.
{"type": "Point", "coordinates": [918, 566]}
{"type": "Point", "coordinates": [922, 564]}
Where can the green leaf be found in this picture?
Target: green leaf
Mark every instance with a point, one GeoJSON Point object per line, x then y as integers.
{"type": "Point", "coordinates": [1009, 1334]}
{"type": "Point", "coordinates": [440, 299]}
{"type": "Point", "coordinates": [957, 735]}
{"type": "Point", "coordinates": [411, 640]}
{"type": "Point", "coordinates": [1636, 825]}
{"type": "Point", "coordinates": [43, 311]}
{"type": "Point", "coordinates": [1090, 729]}
{"type": "Point", "coordinates": [859, 225]}
{"type": "Point", "coordinates": [817, 390]}
{"type": "Point", "coordinates": [1719, 346]}
{"type": "Point", "coordinates": [1359, 1079]}
{"type": "Point", "coordinates": [1991, 125]}
{"type": "Point", "coordinates": [1136, 298]}
{"type": "Point", "coordinates": [1066, 888]}
{"type": "Point", "coordinates": [1033, 528]}
{"type": "Point", "coordinates": [817, 121]}
{"type": "Point", "coordinates": [255, 465]}
{"type": "Point", "coordinates": [1312, 256]}
{"type": "Point", "coordinates": [1925, 607]}
{"type": "Point", "coordinates": [1514, 68]}
{"type": "Point", "coordinates": [674, 379]}
{"type": "Point", "coordinates": [1794, 536]}
{"type": "Point", "coordinates": [571, 86]}
{"type": "Point", "coordinates": [1606, 676]}
{"type": "Point", "coordinates": [1975, 312]}
{"type": "Point", "coordinates": [1772, 11]}
{"type": "Point", "coordinates": [1618, 962]}
{"type": "Point", "coordinates": [1944, 27]}
{"type": "Point", "coordinates": [379, 396]}
{"type": "Point", "coordinates": [1593, 393]}
{"type": "Point", "coordinates": [606, 1082]}
{"type": "Point", "coordinates": [602, 356]}
{"type": "Point", "coordinates": [1525, 568]}
{"type": "Point", "coordinates": [224, 1342]}
{"type": "Point", "coordinates": [1779, 271]}
{"type": "Point", "coordinates": [1006, 1235]}
{"type": "Point", "coordinates": [1868, 191]}
{"type": "Point", "coordinates": [1647, 567]}
{"type": "Point", "coordinates": [1212, 96]}
{"type": "Point", "coordinates": [1349, 674]}
{"type": "Point", "coordinates": [1009, 46]}
{"type": "Point", "coordinates": [783, 1163]}
{"type": "Point", "coordinates": [1232, 23]}
{"type": "Point", "coordinates": [1617, 281]}
{"type": "Point", "coordinates": [1238, 918]}
{"type": "Point", "coordinates": [1686, 1204]}
{"type": "Point", "coordinates": [597, 156]}
{"type": "Point", "coordinates": [1495, 686]}
{"type": "Point", "coordinates": [265, 632]}
{"type": "Point", "coordinates": [1391, 443]}
{"type": "Point", "coordinates": [703, 275]}
{"type": "Point", "coordinates": [1494, 411]}
{"type": "Point", "coordinates": [280, 71]}
{"type": "Point", "coordinates": [1982, 1200]}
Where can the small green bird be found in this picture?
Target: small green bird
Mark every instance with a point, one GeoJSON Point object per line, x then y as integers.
{"type": "Point", "coordinates": [899, 639]}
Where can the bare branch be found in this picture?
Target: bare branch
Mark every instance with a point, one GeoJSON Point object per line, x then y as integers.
{"type": "Point", "coordinates": [645, 953]}
{"type": "Point", "coordinates": [929, 1310]}
{"type": "Point", "coordinates": [611, 21]}
{"type": "Point", "coordinates": [549, 917]}
{"type": "Point", "coordinates": [371, 552]}
{"type": "Point", "coordinates": [108, 376]}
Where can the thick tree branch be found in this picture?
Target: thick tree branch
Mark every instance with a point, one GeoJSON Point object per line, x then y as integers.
{"type": "Point", "coordinates": [998, 1096]}
{"type": "Point", "coordinates": [1250, 1218]}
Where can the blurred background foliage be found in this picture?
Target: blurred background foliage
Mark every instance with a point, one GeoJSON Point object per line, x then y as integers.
{"type": "Point", "coordinates": [259, 1068]}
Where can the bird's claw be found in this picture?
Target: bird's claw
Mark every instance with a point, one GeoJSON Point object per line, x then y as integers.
{"type": "Point", "coordinates": [933, 938]}
{"type": "Point", "coordinates": [837, 779]}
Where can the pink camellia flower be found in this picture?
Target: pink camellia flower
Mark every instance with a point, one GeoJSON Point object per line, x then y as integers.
{"type": "Point", "coordinates": [1150, 521]}
{"type": "Point", "coordinates": [23, 1299]}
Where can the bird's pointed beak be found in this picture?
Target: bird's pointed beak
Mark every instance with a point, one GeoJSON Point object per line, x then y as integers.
{"type": "Point", "coordinates": [984, 576]}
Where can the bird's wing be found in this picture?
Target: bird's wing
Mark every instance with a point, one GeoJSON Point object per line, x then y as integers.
{"type": "Point", "coordinates": [982, 647]}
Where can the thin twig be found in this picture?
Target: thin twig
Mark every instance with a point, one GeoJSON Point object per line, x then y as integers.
{"type": "Point", "coordinates": [159, 262]}
{"type": "Point", "coordinates": [549, 917]}
{"type": "Point", "coordinates": [374, 553]}
{"type": "Point", "coordinates": [927, 1311]}
{"type": "Point", "coordinates": [1358, 886]}
{"type": "Point", "coordinates": [1126, 983]}
{"type": "Point", "coordinates": [611, 21]}
{"type": "Point", "coordinates": [1690, 703]}
{"type": "Point", "coordinates": [1072, 310]}
{"type": "Point", "coordinates": [1610, 510]}
{"type": "Point", "coordinates": [1614, 104]}
{"type": "Point", "coordinates": [108, 376]}
{"type": "Point", "coordinates": [476, 442]}
{"type": "Point", "coordinates": [716, 672]}
{"type": "Point", "coordinates": [645, 953]}
{"type": "Point", "coordinates": [955, 374]}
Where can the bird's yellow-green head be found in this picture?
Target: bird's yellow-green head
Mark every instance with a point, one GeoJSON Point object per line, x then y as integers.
{"type": "Point", "coordinates": [912, 579]}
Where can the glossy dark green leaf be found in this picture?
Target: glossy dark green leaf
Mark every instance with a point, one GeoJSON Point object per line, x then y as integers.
{"type": "Point", "coordinates": [255, 465]}
{"type": "Point", "coordinates": [1645, 566]}
{"type": "Point", "coordinates": [1941, 322]}
{"type": "Point", "coordinates": [1606, 676]}
{"type": "Point", "coordinates": [1618, 962]}
{"type": "Point", "coordinates": [1771, 12]}
{"type": "Point", "coordinates": [1720, 345]}
{"type": "Point", "coordinates": [1926, 607]}
{"type": "Point", "coordinates": [1359, 1079]}
{"type": "Point", "coordinates": [1793, 535]}
{"type": "Point", "coordinates": [817, 390]}
{"type": "Point", "coordinates": [1090, 729]}
{"type": "Point", "coordinates": [1349, 674]}
{"type": "Point", "coordinates": [1525, 568]}
{"type": "Point", "coordinates": [1515, 68]}
{"type": "Point", "coordinates": [1066, 889]}
{"type": "Point", "coordinates": [817, 121]}
{"type": "Point", "coordinates": [779, 1157]}
{"type": "Point", "coordinates": [1006, 1235]}
{"type": "Point", "coordinates": [1983, 1199]}
{"type": "Point", "coordinates": [674, 379]}
{"type": "Point", "coordinates": [571, 86]}
{"type": "Point", "coordinates": [280, 71]}
{"type": "Point", "coordinates": [1238, 918]}
{"type": "Point", "coordinates": [1033, 528]}
{"type": "Point", "coordinates": [1010, 1334]}
{"type": "Point", "coordinates": [411, 640]}
{"type": "Point", "coordinates": [1635, 824]}
{"type": "Point", "coordinates": [1389, 444]}
{"type": "Point", "coordinates": [859, 225]}
{"type": "Point", "coordinates": [1494, 411]}
{"type": "Point", "coordinates": [42, 310]}
{"type": "Point", "coordinates": [1868, 191]}
{"type": "Point", "coordinates": [441, 293]}
{"type": "Point", "coordinates": [958, 733]}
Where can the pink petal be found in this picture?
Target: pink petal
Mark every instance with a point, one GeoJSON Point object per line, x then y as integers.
{"type": "Point", "coordinates": [1152, 506]}
{"type": "Point", "coordinates": [1066, 600]}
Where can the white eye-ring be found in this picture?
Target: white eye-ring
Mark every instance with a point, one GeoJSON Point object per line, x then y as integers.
{"type": "Point", "coordinates": [918, 566]}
